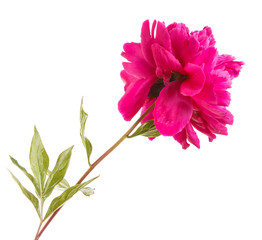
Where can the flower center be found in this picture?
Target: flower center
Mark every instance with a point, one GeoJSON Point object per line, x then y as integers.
{"type": "Point", "coordinates": [159, 85]}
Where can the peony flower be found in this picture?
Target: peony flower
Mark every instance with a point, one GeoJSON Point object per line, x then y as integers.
{"type": "Point", "coordinates": [183, 74]}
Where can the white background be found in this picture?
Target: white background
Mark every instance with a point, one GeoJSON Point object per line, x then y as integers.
{"type": "Point", "coordinates": [54, 52]}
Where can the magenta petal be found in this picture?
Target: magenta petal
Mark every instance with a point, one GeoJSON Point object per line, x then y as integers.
{"type": "Point", "coordinates": [207, 59]}
{"type": "Point", "coordinates": [181, 137]}
{"type": "Point", "coordinates": [139, 69]}
{"type": "Point", "coordinates": [205, 37]}
{"type": "Point", "coordinates": [221, 79]}
{"type": "Point", "coordinates": [189, 134]}
{"type": "Point", "coordinates": [223, 97]}
{"type": "Point", "coordinates": [132, 52]}
{"type": "Point", "coordinates": [227, 63]}
{"type": "Point", "coordinates": [200, 124]}
{"type": "Point", "coordinates": [179, 35]}
{"type": "Point", "coordinates": [127, 78]}
{"type": "Point", "coordinates": [146, 42]}
{"type": "Point", "coordinates": [192, 136]}
{"type": "Point", "coordinates": [162, 36]}
{"type": "Point", "coordinates": [191, 49]}
{"type": "Point", "coordinates": [207, 93]}
{"type": "Point", "coordinates": [194, 82]}
{"type": "Point", "coordinates": [172, 111]}
{"type": "Point", "coordinates": [134, 97]}
{"type": "Point", "coordinates": [165, 61]}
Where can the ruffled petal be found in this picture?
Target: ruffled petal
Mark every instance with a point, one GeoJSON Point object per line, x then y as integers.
{"type": "Point", "coordinates": [192, 136]}
{"type": "Point", "coordinates": [127, 78]}
{"type": "Point", "coordinates": [203, 128]}
{"type": "Point", "coordinates": [132, 52]}
{"type": "Point", "coordinates": [172, 111]}
{"type": "Point", "coordinates": [214, 111]}
{"type": "Point", "coordinates": [181, 137]}
{"type": "Point", "coordinates": [221, 79]}
{"type": "Point", "coordinates": [179, 35]}
{"type": "Point", "coordinates": [207, 94]}
{"type": "Point", "coordinates": [200, 124]}
{"type": "Point", "coordinates": [191, 49]}
{"type": "Point", "coordinates": [165, 61]}
{"type": "Point", "coordinates": [137, 66]}
{"type": "Point", "coordinates": [146, 41]}
{"type": "Point", "coordinates": [185, 46]}
{"type": "Point", "coordinates": [207, 59]}
{"type": "Point", "coordinates": [223, 97]}
{"type": "Point", "coordinates": [194, 82]}
{"type": "Point", "coordinates": [162, 36]}
{"type": "Point", "coordinates": [189, 134]}
{"type": "Point", "coordinates": [134, 97]}
{"type": "Point", "coordinates": [139, 69]}
{"type": "Point", "coordinates": [227, 63]}
{"type": "Point", "coordinates": [204, 37]}
{"type": "Point", "coordinates": [214, 125]}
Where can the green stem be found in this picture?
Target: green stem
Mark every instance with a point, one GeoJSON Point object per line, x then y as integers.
{"type": "Point", "coordinates": [92, 166]}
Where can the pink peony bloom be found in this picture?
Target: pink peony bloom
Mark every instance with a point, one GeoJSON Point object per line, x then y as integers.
{"type": "Point", "coordinates": [183, 74]}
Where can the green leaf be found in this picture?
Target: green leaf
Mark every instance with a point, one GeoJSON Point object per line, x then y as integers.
{"type": "Point", "coordinates": [39, 160]}
{"type": "Point", "coordinates": [29, 195]}
{"type": "Point", "coordinates": [65, 196]}
{"type": "Point", "coordinates": [59, 171]}
{"type": "Point", "coordinates": [87, 144]}
{"type": "Point", "coordinates": [147, 129]}
{"type": "Point", "coordinates": [63, 185]}
{"type": "Point", "coordinates": [31, 178]}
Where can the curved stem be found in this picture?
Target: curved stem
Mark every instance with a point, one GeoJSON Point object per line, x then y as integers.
{"type": "Point", "coordinates": [130, 130]}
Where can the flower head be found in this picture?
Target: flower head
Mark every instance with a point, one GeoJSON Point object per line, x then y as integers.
{"type": "Point", "coordinates": [183, 74]}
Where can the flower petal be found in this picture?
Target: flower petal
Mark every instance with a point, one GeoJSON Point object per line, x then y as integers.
{"type": "Point", "coordinates": [139, 69]}
{"type": "Point", "coordinates": [207, 59]}
{"type": "Point", "coordinates": [162, 36]}
{"type": "Point", "coordinates": [172, 111]}
{"type": "Point", "coordinates": [179, 35]}
{"type": "Point", "coordinates": [194, 82]}
{"type": "Point", "coordinates": [134, 97]}
{"type": "Point", "coordinates": [181, 137]}
{"type": "Point", "coordinates": [165, 61]}
{"type": "Point", "coordinates": [207, 94]}
{"type": "Point", "coordinates": [189, 134]}
{"type": "Point", "coordinates": [127, 78]}
{"type": "Point", "coordinates": [205, 37]}
{"type": "Point", "coordinates": [227, 63]}
{"type": "Point", "coordinates": [223, 97]}
{"type": "Point", "coordinates": [146, 41]}
{"type": "Point", "coordinates": [132, 52]}
{"type": "Point", "coordinates": [185, 46]}
{"type": "Point", "coordinates": [192, 136]}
